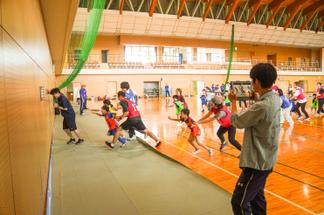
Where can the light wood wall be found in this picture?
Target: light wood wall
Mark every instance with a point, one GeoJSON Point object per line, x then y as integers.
{"type": "Point", "coordinates": [25, 121]}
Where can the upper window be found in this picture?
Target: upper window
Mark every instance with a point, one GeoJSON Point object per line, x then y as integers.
{"type": "Point", "coordinates": [140, 54]}
{"type": "Point", "coordinates": [210, 55]}
{"type": "Point", "coordinates": [171, 54]}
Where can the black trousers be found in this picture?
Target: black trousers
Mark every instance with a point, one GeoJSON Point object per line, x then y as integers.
{"type": "Point", "coordinates": [320, 106]}
{"type": "Point", "coordinates": [83, 103]}
{"type": "Point", "coordinates": [248, 196]}
{"type": "Point", "coordinates": [167, 93]}
{"type": "Point", "coordinates": [244, 102]}
{"type": "Point", "coordinates": [231, 136]}
{"type": "Point", "coordinates": [302, 106]}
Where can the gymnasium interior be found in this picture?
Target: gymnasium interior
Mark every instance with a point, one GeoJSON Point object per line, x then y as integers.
{"type": "Point", "coordinates": [157, 46]}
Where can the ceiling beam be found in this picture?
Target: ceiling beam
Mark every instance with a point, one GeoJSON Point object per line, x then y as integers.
{"type": "Point", "coordinates": [294, 9]}
{"type": "Point", "coordinates": [255, 5]}
{"type": "Point", "coordinates": [209, 4]}
{"type": "Point", "coordinates": [319, 6]}
{"type": "Point", "coordinates": [308, 19]}
{"type": "Point", "coordinates": [121, 7]}
{"type": "Point", "coordinates": [274, 8]}
{"type": "Point", "coordinates": [181, 8]}
{"type": "Point", "coordinates": [152, 7]}
{"type": "Point", "coordinates": [230, 13]}
{"type": "Point", "coordinates": [320, 24]}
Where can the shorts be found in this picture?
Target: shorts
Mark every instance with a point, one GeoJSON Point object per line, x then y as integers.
{"type": "Point", "coordinates": [314, 105]}
{"type": "Point", "coordinates": [69, 123]}
{"type": "Point", "coordinates": [195, 131]}
{"type": "Point", "coordinates": [112, 132]}
{"type": "Point", "coordinates": [135, 123]}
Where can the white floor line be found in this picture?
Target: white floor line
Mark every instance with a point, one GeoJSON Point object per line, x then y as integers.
{"type": "Point", "coordinates": [236, 176]}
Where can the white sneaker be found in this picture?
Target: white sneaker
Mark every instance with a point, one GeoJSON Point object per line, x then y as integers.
{"type": "Point", "coordinates": [179, 124]}
{"type": "Point", "coordinates": [210, 152]}
{"type": "Point", "coordinates": [196, 152]}
{"type": "Point", "coordinates": [300, 118]}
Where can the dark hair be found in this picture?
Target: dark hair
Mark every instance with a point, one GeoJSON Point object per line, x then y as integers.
{"type": "Point", "coordinates": [175, 97]}
{"type": "Point", "coordinates": [105, 107]}
{"type": "Point", "coordinates": [280, 92]}
{"type": "Point", "coordinates": [179, 90]}
{"type": "Point", "coordinates": [186, 111]}
{"type": "Point", "coordinates": [314, 94]}
{"type": "Point", "coordinates": [266, 73]}
{"type": "Point", "coordinates": [124, 85]}
{"type": "Point", "coordinates": [121, 93]}
{"type": "Point", "coordinates": [54, 91]}
{"type": "Point", "coordinates": [319, 83]}
{"type": "Point", "coordinates": [106, 102]}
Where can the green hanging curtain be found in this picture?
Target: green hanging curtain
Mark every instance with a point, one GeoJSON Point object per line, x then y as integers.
{"type": "Point", "coordinates": [88, 40]}
{"type": "Point", "coordinates": [230, 57]}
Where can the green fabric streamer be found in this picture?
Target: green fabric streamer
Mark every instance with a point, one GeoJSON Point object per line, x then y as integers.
{"type": "Point", "coordinates": [230, 57]}
{"type": "Point", "coordinates": [88, 39]}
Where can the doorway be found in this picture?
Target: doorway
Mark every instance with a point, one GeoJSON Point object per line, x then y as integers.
{"type": "Point", "coordinates": [151, 88]}
{"type": "Point", "coordinates": [272, 58]}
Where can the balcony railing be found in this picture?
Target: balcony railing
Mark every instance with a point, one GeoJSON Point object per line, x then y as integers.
{"type": "Point", "coordinates": [119, 62]}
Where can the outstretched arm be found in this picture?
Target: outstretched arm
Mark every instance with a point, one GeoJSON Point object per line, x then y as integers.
{"type": "Point", "coordinates": [205, 117]}
{"type": "Point", "coordinates": [173, 119]}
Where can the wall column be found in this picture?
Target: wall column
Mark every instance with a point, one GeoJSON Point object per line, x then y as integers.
{"type": "Point", "coordinates": [322, 59]}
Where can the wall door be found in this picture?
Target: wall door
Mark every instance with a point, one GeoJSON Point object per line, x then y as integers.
{"type": "Point", "coordinates": [272, 59]}
{"type": "Point", "coordinates": [76, 90]}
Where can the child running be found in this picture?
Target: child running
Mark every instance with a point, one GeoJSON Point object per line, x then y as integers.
{"type": "Point", "coordinates": [223, 116]}
{"type": "Point", "coordinates": [314, 104]}
{"type": "Point", "coordinates": [179, 106]}
{"type": "Point", "coordinates": [285, 108]}
{"type": "Point", "coordinates": [131, 118]}
{"type": "Point", "coordinates": [195, 131]}
{"type": "Point", "coordinates": [181, 98]}
{"type": "Point", "coordinates": [109, 115]}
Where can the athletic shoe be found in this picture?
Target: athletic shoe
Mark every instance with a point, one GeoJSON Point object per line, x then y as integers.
{"type": "Point", "coordinates": [222, 146]}
{"type": "Point", "coordinates": [131, 138]}
{"type": "Point", "coordinates": [210, 152]}
{"type": "Point", "coordinates": [158, 143]}
{"type": "Point", "coordinates": [80, 141]}
{"type": "Point", "coordinates": [71, 141]}
{"type": "Point", "coordinates": [179, 124]}
{"type": "Point", "coordinates": [196, 152]}
{"type": "Point", "coordinates": [110, 145]}
{"type": "Point", "coordinates": [307, 119]}
{"type": "Point", "coordinates": [300, 118]}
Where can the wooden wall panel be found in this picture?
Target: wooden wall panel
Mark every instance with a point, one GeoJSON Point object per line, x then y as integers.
{"type": "Point", "coordinates": [6, 194]}
{"type": "Point", "coordinates": [25, 121]}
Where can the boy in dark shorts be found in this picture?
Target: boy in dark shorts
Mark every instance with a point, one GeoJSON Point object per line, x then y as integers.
{"type": "Point", "coordinates": [133, 120]}
{"type": "Point", "coordinates": [195, 131]}
{"type": "Point", "coordinates": [69, 125]}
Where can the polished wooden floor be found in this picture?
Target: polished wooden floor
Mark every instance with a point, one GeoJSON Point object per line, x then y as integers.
{"type": "Point", "coordinates": [295, 187]}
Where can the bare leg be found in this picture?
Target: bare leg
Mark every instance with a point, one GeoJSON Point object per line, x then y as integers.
{"type": "Point", "coordinates": [68, 132]}
{"type": "Point", "coordinates": [76, 132]}
{"type": "Point", "coordinates": [150, 134]}
{"type": "Point", "coordinates": [117, 134]}
{"type": "Point", "coordinates": [191, 141]}
{"type": "Point", "coordinates": [200, 144]}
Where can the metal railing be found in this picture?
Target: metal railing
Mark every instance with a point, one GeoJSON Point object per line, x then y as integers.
{"type": "Point", "coordinates": [174, 62]}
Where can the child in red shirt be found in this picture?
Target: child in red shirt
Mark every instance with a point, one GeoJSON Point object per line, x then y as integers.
{"type": "Point", "coordinates": [195, 131]}
{"type": "Point", "coordinates": [109, 115]}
